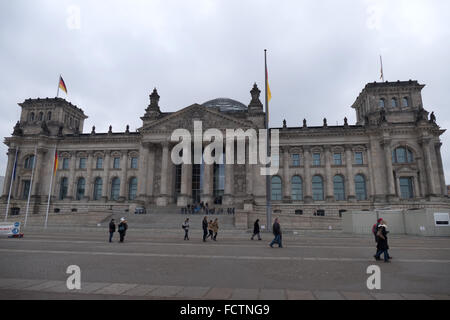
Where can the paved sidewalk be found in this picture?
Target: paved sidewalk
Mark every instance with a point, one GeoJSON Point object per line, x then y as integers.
{"type": "Point", "coordinates": [36, 289]}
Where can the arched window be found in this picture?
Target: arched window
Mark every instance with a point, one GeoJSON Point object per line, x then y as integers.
{"type": "Point", "coordinates": [360, 187]}
{"type": "Point", "coordinates": [49, 116]}
{"type": "Point", "coordinates": [63, 188]}
{"type": "Point", "coordinates": [115, 189]}
{"type": "Point", "coordinates": [405, 102]}
{"type": "Point", "coordinates": [29, 162]}
{"type": "Point", "coordinates": [339, 188]}
{"type": "Point", "coordinates": [276, 188]}
{"type": "Point", "coordinates": [98, 186]}
{"type": "Point", "coordinates": [41, 116]}
{"type": "Point", "coordinates": [394, 103]}
{"type": "Point", "coordinates": [381, 103]}
{"type": "Point", "coordinates": [317, 188]}
{"type": "Point", "coordinates": [402, 155]}
{"type": "Point", "coordinates": [81, 185]}
{"type": "Point", "coordinates": [297, 188]}
{"type": "Point", "coordinates": [32, 116]}
{"type": "Point", "coordinates": [132, 189]}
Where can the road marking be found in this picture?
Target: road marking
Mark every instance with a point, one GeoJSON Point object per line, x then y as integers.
{"type": "Point", "coordinates": [197, 256]}
{"type": "Point", "coordinates": [230, 245]}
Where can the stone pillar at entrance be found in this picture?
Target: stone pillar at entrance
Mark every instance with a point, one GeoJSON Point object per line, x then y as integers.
{"type": "Point", "coordinates": [386, 144]}
{"type": "Point", "coordinates": [229, 185]}
{"type": "Point", "coordinates": [163, 198]}
{"type": "Point", "coordinates": [186, 185]}
{"type": "Point", "coordinates": [208, 183]}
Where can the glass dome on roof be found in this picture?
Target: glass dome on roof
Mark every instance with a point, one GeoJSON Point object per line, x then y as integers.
{"type": "Point", "coordinates": [225, 105]}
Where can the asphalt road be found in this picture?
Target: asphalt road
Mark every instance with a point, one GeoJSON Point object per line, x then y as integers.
{"type": "Point", "coordinates": [162, 265]}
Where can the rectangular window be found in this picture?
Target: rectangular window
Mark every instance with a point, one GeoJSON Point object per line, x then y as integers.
{"type": "Point", "coordinates": [316, 159]}
{"type": "Point", "coordinates": [134, 163]}
{"type": "Point", "coordinates": [82, 163]}
{"type": "Point", "coordinates": [116, 164]}
{"type": "Point", "coordinates": [337, 159]}
{"type": "Point", "coordinates": [99, 164]}
{"type": "Point", "coordinates": [359, 158]}
{"type": "Point", "coordinates": [26, 189]}
{"type": "Point", "coordinates": [296, 160]}
{"type": "Point", "coordinates": [406, 188]}
{"type": "Point", "coordinates": [65, 164]}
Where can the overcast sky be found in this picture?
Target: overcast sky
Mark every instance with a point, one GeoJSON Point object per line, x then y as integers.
{"type": "Point", "coordinates": [320, 56]}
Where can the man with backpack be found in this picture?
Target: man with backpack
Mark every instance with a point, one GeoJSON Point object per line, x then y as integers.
{"type": "Point", "coordinates": [123, 226]}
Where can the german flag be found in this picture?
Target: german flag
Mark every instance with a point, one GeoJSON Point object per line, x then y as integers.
{"type": "Point", "coordinates": [62, 85]}
{"type": "Point", "coordinates": [55, 167]}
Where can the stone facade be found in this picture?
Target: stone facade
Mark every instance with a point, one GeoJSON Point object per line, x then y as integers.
{"type": "Point", "coordinates": [390, 158]}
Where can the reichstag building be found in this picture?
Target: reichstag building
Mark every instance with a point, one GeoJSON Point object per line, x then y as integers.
{"type": "Point", "coordinates": [391, 158]}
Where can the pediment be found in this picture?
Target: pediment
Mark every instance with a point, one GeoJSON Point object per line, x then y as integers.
{"type": "Point", "coordinates": [184, 119]}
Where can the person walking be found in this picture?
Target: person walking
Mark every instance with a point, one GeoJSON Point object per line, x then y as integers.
{"type": "Point", "coordinates": [382, 244]}
{"type": "Point", "coordinates": [277, 233]}
{"type": "Point", "coordinates": [210, 229]}
{"type": "Point", "coordinates": [215, 228]}
{"type": "Point", "coordinates": [123, 226]}
{"type": "Point", "coordinates": [256, 230]}
{"type": "Point", "coordinates": [112, 229]}
{"type": "Point", "coordinates": [185, 226]}
{"type": "Point", "coordinates": [205, 228]}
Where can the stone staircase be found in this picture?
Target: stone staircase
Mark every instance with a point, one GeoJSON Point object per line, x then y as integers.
{"type": "Point", "coordinates": [63, 219]}
{"type": "Point", "coordinates": [170, 217]}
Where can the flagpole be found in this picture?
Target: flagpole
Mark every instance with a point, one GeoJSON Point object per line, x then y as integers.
{"type": "Point", "coordinates": [57, 92]}
{"type": "Point", "coordinates": [13, 174]}
{"type": "Point", "coordinates": [382, 73]}
{"type": "Point", "coordinates": [31, 187]}
{"type": "Point", "coordinates": [50, 189]}
{"type": "Point", "coordinates": [268, 195]}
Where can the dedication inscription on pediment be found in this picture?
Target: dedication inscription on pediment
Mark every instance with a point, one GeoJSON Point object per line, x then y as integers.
{"type": "Point", "coordinates": [185, 120]}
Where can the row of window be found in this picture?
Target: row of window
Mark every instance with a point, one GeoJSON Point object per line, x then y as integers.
{"type": "Point", "coordinates": [394, 102]}
{"type": "Point", "coordinates": [318, 188]}
{"type": "Point", "coordinates": [406, 188]}
{"type": "Point", "coordinates": [40, 117]}
{"type": "Point", "coordinates": [98, 188]}
{"type": "Point", "coordinates": [317, 159]}
{"type": "Point", "coordinates": [82, 163]}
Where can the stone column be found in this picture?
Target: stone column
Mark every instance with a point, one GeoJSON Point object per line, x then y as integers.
{"type": "Point", "coordinates": [150, 174]}
{"type": "Point", "coordinates": [186, 189]}
{"type": "Point", "coordinates": [350, 181]}
{"type": "Point", "coordinates": [36, 190]}
{"type": "Point", "coordinates": [142, 172]}
{"type": "Point", "coordinates": [426, 146]}
{"type": "Point", "coordinates": [440, 169]}
{"type": "Point", "coordinates": [163, 194]}
{"type": "Point", "coordinates": [286, 185]}
{"type": "Point", "coordinates": [9, 172]}
{"type": "Point", "coordinates": [106, 166]}
{"type": "Point", "coordinates": [229, 185]}
{"type": "Point", "coordinates": [89, 180]}
{"type": "Point", "coordinates": [370, 180]}
{"type": "Point", "coordinates": [390, 187]}
{"type": "Point", "coordinates": [422, 178]}
{"type": "Point", "coordinates": [124, 176]}
{"type": "Point", "coordinates": [248, 173]}
{"type": "Point", "coordinates": [329, 192]}
{"type": "Point", "coordinates": [307, 174]}
{"type": "Point", "coordinates": [208, 183]}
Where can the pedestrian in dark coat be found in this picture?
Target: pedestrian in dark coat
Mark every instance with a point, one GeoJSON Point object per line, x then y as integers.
{"type": "Point", "coordinates": [382, 244]}
{"type": "Point", "coordinates": [186, 229]}
{"type": "Point", "coordinates": [256, 230]}
{"type": "Point", "coordinates": [123, 226]}
{"type": "Point", "coordinates": [277, 233]}
{"type": "Point", "coordinates": [205, 228]}
{"type": "Point", "coordinates": [112, 229]}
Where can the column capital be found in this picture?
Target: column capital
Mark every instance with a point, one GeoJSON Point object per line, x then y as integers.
{"type": "Point", "coordinates": [385, 142]}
